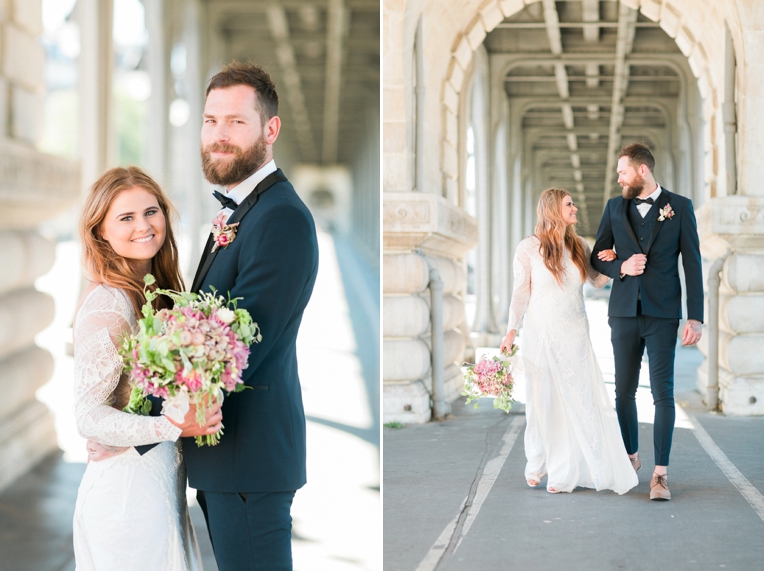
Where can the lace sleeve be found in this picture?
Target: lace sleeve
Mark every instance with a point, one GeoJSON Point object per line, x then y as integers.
{"type": "Point", "coordinates": [595, 278]}
{"type": "Point", "coordinates": [521, 291]}
{"type": "Point", "coordinates": [104, 316]}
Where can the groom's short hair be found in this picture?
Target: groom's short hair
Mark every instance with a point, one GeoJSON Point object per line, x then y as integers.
{"type": "Point", "coordinates": [254, 75]}
{"type": "Point", "coordinates": [639, 154]}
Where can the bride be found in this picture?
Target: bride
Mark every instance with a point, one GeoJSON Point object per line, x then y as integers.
{"type": "Point", "coordinates": [572, 433]}
{"type": "Point", "coordinates": [131, 510]}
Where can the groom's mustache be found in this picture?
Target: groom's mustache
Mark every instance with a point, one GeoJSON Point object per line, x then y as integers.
{"type": "Point", "coordinates": [221, 148]}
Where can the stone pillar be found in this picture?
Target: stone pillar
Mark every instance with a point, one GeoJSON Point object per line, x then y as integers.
{"type": "Point", "coordinates": [97, 139]}
{"type": "Point", "coordinates": [424, 223]}
{"type": "Point", "coordinates": [33, 187]}
{"type": "Point", "coordinates": [485, 332]}
{"type": "Point", "coordinates": [196, 84]}
{"type": "Point", "coordinates": [736, 224]}
{"type": "Point", "coordinates": [158, 65]}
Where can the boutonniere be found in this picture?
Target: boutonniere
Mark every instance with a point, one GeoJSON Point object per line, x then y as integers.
{"type": "Point", "coordinates": [666, 213]}
{"type": "Point", "coordinates": [223, 234]}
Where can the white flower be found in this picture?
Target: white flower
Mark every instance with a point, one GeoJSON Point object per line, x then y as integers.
{"type": "Point", "coordinates": [175, 408]}
{"type": "Point", "coordinates": [666, 213]}
{"type": "Point", "coordinates": [226, 315]}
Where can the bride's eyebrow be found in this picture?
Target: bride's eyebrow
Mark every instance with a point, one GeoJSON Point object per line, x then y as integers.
{"type": "Point", "coordinates": [131, 213]}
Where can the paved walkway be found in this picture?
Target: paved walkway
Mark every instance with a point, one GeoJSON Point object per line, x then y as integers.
{"type": "Point", "coordinates": [456, 498]}
{"type": "Point", "coordinates": [337, 521]}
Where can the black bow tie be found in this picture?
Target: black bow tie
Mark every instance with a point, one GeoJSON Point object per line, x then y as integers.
{"type": "Point", "coordinates": [227, 202]}
{"type": "Point", "coordinates": [639, 201]}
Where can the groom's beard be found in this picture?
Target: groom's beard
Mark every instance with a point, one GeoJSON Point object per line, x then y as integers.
{"type": "Point", "coordinates": [244, 163]}
{"type": "Point", "coordinates": [633, 190]}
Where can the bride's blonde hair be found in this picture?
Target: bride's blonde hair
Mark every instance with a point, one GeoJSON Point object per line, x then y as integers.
{"type": "Point", "coordinates": [102, 263]}
{"type": "Point", "coordinates": [555, 235]}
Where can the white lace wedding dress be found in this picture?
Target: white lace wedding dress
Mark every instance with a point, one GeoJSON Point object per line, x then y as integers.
{"type": "Point", "coordinates": [572, 432]}
{"type": "Point", "coordinates": [131, 512]}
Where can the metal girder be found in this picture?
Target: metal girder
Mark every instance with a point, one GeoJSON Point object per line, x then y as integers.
{"type": "Point", "coordinates": [334, 35]}
{"type": "Point", "coordinates": [591, 13]}
{"type": "Point", "coordinates": [261, 6]}
{"type": "Point", "coordinates": [624, 43]}
{"type": "Point", "coordinates": [279, 27]}
{"type": "Point", "coordinates": [588, 76]}
{"type": "Point", "coordinates": [542, 25]}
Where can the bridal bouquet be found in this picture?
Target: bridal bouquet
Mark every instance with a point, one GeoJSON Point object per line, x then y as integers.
{"type": "Point", "coordinates": [491, 377]}
{"type": "Point", "coordinates": [188, 354]}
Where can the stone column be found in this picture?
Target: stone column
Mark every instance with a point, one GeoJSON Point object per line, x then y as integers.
{"type": "Point", "coordinates": [426, 223]}
{"type": "Point", "coordinates": [33, 187]}
{"type": "Point", "coordinates": [736, 224]}
{"type": "Point", "coordinates": [97, 139]}
{"type": "Point", "coordinates": [158, 64]}
{"type": "Point", "coordinates": [196, 83]}
{"type": "Point", "coordinates": [484, 329]}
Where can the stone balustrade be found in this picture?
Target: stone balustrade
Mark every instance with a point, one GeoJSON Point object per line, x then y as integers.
{"type": "Point", "coordinates": [418, 225]}
{"type": "Point", "coordinates": [34, 187]}
{"type": "Point", "coordinates": [735, 224]}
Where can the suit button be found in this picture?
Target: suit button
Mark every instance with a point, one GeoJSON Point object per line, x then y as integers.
{"type": "Point", "coordinates": [642, 224]}
{"type": "Point", "coordinates": [641, 238]}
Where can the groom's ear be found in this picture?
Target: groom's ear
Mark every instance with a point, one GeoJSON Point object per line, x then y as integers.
{"type": "Point", "coordinates": [272, 128]}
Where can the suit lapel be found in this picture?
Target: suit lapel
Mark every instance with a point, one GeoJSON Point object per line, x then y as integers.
{"type": "Point", "coordinates": [625, 216]}
{"type": "Point", "coordinates": [196, 284]}
{"type": "Point", "coordinates": [662, 201]}
{"type": "Point", "coordinates": [208, 256]}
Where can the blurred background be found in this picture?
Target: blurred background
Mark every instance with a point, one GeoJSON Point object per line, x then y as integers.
{"type": "Point", "coordinates": [89, 84]}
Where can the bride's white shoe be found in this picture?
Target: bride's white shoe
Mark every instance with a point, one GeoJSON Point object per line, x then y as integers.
{"type": "Point", "coordinates": [534, 480]}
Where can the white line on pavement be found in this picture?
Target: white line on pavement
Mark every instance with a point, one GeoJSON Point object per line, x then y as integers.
{"type": "Point", "coordinates": [487, 478]}
{"type": "Point", "coordinates": [748, 491]}
{"type": "Point", "coordinates": [436, 551]}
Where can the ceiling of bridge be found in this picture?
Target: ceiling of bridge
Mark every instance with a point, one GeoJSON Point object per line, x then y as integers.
{"type": "Point", "coordinates": [324, 57]}
{"type": "Point", "coordinates": [586, 77]}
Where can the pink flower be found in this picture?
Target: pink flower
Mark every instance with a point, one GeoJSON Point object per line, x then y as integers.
{"type": "Point", "coordinates": [229, 380]}
{"type": "Point", "coordinates": [160, 391]}
{"type": "Point", "coordinates": [192, 381]}
{"type": "Point", "coordinates": [666, 213]}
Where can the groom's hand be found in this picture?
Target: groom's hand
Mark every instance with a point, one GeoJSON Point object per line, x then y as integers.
{"type": "Point", "coordinates": [189, 426]}
{"type": "Point", "coordinates": [634, 266]}
{"type": "Point", "coordinates": [692, 332]}
{"type": "Point", "coordinates": [98, 452]}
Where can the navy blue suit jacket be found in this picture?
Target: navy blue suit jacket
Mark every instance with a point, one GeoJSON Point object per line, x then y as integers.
{"type": "Point", "coordinates": [271, 264]}
{"type": "Point", "coordinates": [659, 286]}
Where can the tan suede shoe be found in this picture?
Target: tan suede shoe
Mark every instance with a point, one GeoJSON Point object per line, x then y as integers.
{"type": "Point", "coordinates": [636, 463]}
{"type": "Point", "coordinates": [659, 488]}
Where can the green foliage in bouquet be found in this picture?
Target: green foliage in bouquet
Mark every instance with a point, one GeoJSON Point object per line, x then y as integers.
{"type": "Point", "coordinates": [187, 354]}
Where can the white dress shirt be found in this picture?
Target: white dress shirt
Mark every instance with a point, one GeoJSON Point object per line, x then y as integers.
{"type": "Point", "coordinates": [644, 208]}
{"type": "Point", "coordinates": [244, 188]}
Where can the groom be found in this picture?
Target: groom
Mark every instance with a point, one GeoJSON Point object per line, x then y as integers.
{"type": "Point", "coordinates": [245, 484]}
{"type": "Point", "coordinates": [649, 227]}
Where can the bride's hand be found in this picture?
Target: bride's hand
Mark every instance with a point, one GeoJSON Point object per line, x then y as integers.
{"type": "Point", "coordinates": [189, 426]}
{"type": "Point", "coordinates": [508, 340]}
{"type": "Point", "coordinates": [606, 255]}
{"type": "Point", "coordinates": [98, 452]}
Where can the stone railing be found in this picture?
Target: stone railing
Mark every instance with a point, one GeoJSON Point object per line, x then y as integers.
{"type": "Point", "coordinates": [418, 225]}
{"type": "Point", "coordinates": [735, 224]}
